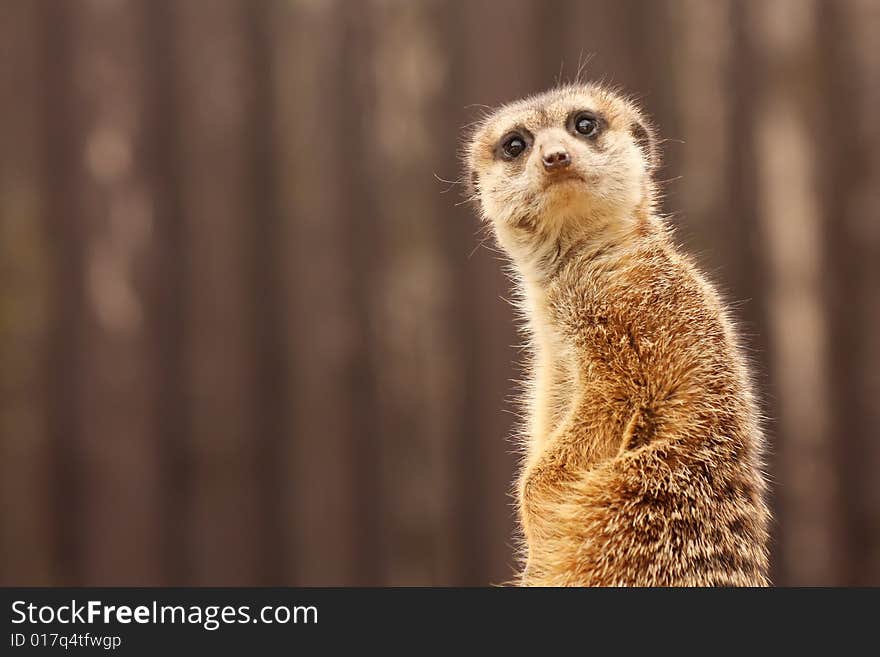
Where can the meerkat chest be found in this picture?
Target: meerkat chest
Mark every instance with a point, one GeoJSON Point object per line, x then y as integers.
{"type": "Point", "coordinates": [552, 391]}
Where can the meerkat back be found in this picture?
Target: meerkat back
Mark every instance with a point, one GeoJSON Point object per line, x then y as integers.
{"type": "Point", "coordinates": [643, 446]}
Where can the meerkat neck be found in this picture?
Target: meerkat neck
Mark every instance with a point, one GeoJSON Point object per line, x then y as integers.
{"type": "Point", "coordinates": [539, 272]}
{"type": "Point", "coordinates": [540, 263]}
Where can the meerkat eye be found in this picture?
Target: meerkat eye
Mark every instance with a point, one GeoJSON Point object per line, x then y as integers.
{"type": "Point", "coordinates": [512, 146]}
{"type": "Point", "coordinates": [586, 124]}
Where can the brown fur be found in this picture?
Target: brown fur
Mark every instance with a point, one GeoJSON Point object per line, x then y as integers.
{"type": "Point", "coordinates": [642, 453]}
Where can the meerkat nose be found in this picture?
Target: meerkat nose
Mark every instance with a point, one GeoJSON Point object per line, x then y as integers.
{"type": "Point", "coordinates": [556, 158]}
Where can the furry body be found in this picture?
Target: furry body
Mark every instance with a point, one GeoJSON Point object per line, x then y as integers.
{"type": "Point", "coordinates": [642, 451]}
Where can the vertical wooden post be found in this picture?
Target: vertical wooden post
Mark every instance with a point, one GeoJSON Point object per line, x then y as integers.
{"type": "Point", "coordinates": [784, 117]}
{"type": "Point", "coordinates": [225, 521]}
{"type": "Point", "coordinates": [26, 534]}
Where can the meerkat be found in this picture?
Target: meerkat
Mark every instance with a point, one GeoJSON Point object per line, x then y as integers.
{"type": "Point", "coordinates": [642, 450]}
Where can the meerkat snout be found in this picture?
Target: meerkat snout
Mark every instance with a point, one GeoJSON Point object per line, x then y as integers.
{"type": "Point", "coordinates": [554, 156]}
{"type": "Point", "coordinates": [554, 152]}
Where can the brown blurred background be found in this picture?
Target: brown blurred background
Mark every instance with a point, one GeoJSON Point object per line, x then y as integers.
{"type": "Point", "coordinates": [248, 336]}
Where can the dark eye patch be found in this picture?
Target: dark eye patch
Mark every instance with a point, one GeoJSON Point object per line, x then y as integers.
{"type": "Point", "coordinates": [513, 144]}
{"type": "Point", "coordinates": [585, 124]}
{"type": "Point", "coordinates": [512, 147]}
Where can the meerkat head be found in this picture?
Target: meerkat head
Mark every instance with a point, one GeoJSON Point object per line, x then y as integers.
{"type": "Point", "coordinates": [562, 164]}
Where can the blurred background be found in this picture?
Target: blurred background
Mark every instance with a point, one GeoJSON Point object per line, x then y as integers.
{"type": "Point", "coordinates": [249, 336]}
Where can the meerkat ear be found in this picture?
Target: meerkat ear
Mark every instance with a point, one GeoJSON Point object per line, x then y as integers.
{"type": "Point", "coordinates": [469, 179]}
{"type": "Point", "coordinates": [646, 140]}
